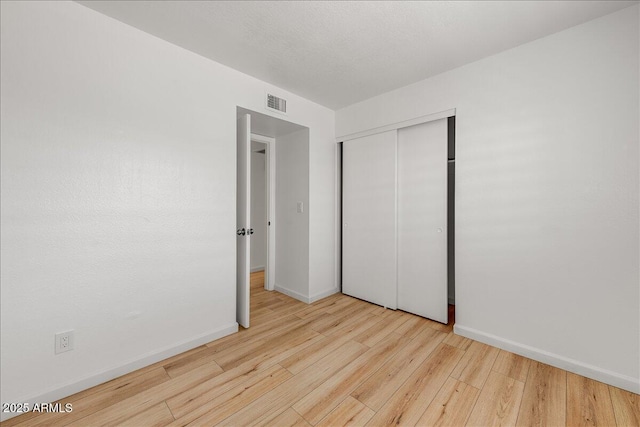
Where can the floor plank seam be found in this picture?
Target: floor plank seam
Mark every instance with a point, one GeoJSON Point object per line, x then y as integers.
{"type": "Point", "coordinates": [521, 403]}
{"type": "Point", "coordinates": [475, 403]}
{"type": "Point", "coordinates": [301, 416]}
{"type": "Point", "coordinates": [170, 411]}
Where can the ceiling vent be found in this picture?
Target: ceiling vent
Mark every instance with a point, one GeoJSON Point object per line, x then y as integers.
{"type": "Point", "coordinates": [276, 104]}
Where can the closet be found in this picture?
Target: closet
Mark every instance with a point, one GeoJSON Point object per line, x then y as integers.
{"type": "Point", "coordinates": [394, 219]}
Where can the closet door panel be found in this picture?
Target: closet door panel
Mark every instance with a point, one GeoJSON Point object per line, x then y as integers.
{"type": "Point", "coordinates": [422, 220]}
{"type": "Point", "coordinates": [369, 219]}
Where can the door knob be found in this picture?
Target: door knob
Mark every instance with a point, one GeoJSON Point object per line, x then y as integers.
{"type": "Point", "coordinates": [240, 232]}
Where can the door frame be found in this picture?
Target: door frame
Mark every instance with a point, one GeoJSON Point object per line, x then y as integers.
{"type": "Point", "coordinates": [270, 166]}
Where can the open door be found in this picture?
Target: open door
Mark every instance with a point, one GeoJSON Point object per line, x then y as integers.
{"type": "Point", "coordinates": [243, 217]}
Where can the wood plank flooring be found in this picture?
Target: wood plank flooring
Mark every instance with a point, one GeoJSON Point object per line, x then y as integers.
{"type": "Point", "coordinates": [339, 362]}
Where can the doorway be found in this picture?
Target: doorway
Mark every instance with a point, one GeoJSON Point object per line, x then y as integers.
{"type": "Point", "coordinates": [263, 208]}
{"type": "Point", "coordinates": [259, 189]}
{"type": "Point", "coordinates": [265, 194]}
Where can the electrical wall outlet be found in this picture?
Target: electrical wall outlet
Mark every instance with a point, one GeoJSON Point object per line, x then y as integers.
{"type": "Point", "coordinates": [64, 342]}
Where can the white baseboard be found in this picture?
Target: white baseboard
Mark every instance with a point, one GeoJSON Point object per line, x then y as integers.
{"type": "Point", "coordinates": [571, 365]}
{"type": "Point", "coordinates": [293, 294]}
{"type": "Point", "coordinates": [117, 371]}
{"type": "Point", "coordinates": [257, 268]}
{"type": "Point", "coordinates": [304, 298]}
{"type": "Point", "coordinates": [323, 294]}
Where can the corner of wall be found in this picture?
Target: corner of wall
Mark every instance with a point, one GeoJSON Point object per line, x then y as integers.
{"type": "Point", "coordinates": [293, 294]}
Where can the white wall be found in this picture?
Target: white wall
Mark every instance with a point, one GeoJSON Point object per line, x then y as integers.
{"type": "Point", "coordinates": [118, 196]}
{"type": "Point", "coordinates": [323, 277]}
{"type": "Point", "coordinates": [546, 193]}
{"type": "Point", "coordinates": [292, 231]}
{"type": "Point", "coordinates": [258, 211]}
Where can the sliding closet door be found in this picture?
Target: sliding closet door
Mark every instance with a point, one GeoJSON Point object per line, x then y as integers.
{"type": "Point", "coordinates": [369, 218]}
{"type": "Point", "coordinates": [422, 220]}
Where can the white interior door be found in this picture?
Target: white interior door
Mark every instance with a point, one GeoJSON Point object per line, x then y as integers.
{"type": "Point", "coordinates": [369, 218]}
{"type": "Point", "coordinates": [243, 217]}
{"type": "Point", "coordinates": [422, 220]}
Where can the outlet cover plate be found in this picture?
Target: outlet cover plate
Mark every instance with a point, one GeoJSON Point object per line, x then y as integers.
{"type": "Point", "coordinates": [64, 342]}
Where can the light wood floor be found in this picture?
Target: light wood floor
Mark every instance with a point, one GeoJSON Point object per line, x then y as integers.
{"type": "Point", "coordinates": [342, 361]}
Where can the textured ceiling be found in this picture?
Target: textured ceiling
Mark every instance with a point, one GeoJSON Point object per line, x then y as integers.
{"type": "Point", "coordinates": [339, 53]}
